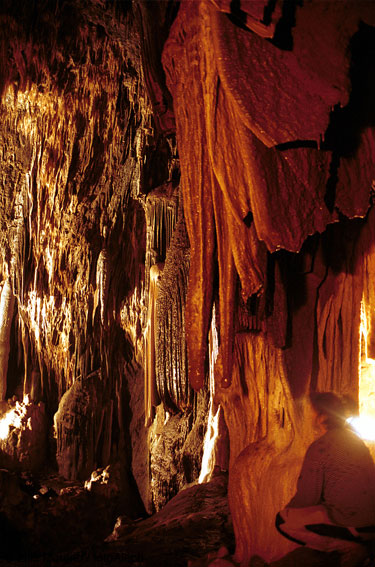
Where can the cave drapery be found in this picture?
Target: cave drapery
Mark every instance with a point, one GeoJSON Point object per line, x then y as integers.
{"type": "Point", "coordinates": [281, 160]}
{"type": "Point", "coordinates": [162, 162]}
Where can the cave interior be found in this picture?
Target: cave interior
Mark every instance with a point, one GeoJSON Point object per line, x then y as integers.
{"type": "Point", "coordinates": [187, 252]}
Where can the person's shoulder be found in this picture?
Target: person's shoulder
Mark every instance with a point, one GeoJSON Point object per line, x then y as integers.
{"type": "Point", "coordinates": [333, 441]}
{"type": "Point", "coordinates": [344, 436]}
{"type": "Point", "coordinates": [330, 437]}
{"type": "Point", "coordinates": [317, 445]}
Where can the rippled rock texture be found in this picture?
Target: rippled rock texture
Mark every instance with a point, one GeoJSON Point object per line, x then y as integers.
{"type": "Point", "coordinates": [80, 152]}
{"type": "Point", "coordinates": [277, 173]}
{"type": "Point", "coordinates": [187, 238]}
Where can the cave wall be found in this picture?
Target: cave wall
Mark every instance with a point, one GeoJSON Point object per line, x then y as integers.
{"type": "Point", "coordinates": [187, 234]}
{"type": "Point", "coordinates": [89, 204]}
{"type": "Point", "coordinates": [73, 231]}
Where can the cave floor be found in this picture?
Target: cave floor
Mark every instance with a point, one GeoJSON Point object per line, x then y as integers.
{"type": "Point", "coordinates": [74, 529]}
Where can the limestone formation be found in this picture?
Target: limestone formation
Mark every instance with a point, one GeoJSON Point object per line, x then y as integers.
{"type": "Point", "coordinates": [187, 243]}
{"type": "Point", "coordinates": [6, 316]}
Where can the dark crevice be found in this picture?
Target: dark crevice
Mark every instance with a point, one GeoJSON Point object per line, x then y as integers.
{"type": "Point", "coordinates": [283, 36]}
{"type": "Point", "coordinates": [248, 219]}
{"type": "Point", "coordinates": [270, 289]}
{"type": "Point", "coordinates": [344, 132]}
{"type": "Point", "coordinates": [289, 269]}
{"type": "Point", "coordinates": [268, 11]}
{"type": "Point", "coordinates": [237, 16]}
{"type": "Point", "coordinates": [330, 195]}
{"type": "Point", "coordinates": [296, 144]}
{"type": "Point", "coordinates": [315, 353]}
{"type": "Point", "coordinates": [252, 304]}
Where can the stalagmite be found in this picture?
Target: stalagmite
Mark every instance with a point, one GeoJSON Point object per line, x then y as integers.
{"type": "Point", "coordinates": [6, 315]}
{"type": "Point", "coordinates": [83, 427]}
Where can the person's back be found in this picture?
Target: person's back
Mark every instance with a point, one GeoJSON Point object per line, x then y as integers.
{"type": "Point", "coordinates": [334, 505]}
{"type": "Point", "coordinates": [348, 477]}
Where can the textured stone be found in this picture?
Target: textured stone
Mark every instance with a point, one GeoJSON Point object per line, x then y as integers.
{"type": "Point", "coordinates": [194, 522]}
{"type": "Point", "coordinates": [273, 110]}
{"type": "Point", "coordinates": [176, 448]}
{"type": "Point", "coordinates": [80, 421]}
{"type": "Point", "coordinates": [23, 436]}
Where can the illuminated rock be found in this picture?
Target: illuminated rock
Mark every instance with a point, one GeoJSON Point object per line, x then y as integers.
{"type": "Point", "coordinates": [81, 422]}
{"type": "Point", "coordinates": [6, 315]}
{"type": "Point", "coordinates": [269, 120]}
{"type": "Point", "coordinates": [171, 355]}
{"type": "Point", "coordinates": [150, 391]}
{"type": "Point", "coordinates": [106, 482]}
{"type": "Point", "coordinates": [23, 436]}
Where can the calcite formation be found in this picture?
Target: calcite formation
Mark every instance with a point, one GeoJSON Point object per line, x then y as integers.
{"type": "Point", "coordinates": [23, 436]}
{"type": "Point", "coordinates": [76, 136]}
{"type": "Point", "coordinates": [187, 235]}
{"type": "Point", "coordinates": [6, 314]}
{"type": "Point", "coordinates": [280, 174]}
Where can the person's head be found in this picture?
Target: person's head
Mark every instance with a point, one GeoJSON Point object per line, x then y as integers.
{"type": "Point", "coordinates": [329, 408]}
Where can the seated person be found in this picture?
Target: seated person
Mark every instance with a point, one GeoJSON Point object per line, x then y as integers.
{"type": "Point", "coordinates": [334, 506]}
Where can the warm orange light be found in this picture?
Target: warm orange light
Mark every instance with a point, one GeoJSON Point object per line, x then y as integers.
{"type": "Point", "coordinates": [364, 426]}
{"type": "Point", "coordinates": [365, 423]}
{"type": "Point", "coordinates": [212, 433]}
{"type": "Point", "coordinates": [13, 418]}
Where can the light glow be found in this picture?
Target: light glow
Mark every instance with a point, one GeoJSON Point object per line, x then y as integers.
{"type": "Point", "coordinates": [212, 433]}
{"type": "Point", "coordinates": [13, 418]}
{"type": "Point", "coordinates": [364, 424]}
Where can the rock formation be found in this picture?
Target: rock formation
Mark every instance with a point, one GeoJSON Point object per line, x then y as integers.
{"type": "Point", "coordinates": [187, 241]}
{"type": "Point", "coordinates": [268, 154]}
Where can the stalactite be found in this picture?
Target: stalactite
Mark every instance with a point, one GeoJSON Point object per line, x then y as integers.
{"type": "Point", "coordinates": [6, 315]}
{"type": "Point", "coordinates": [181, 62]}
{"type": "Point", "coordinates": [271, 168]}
{"type": "Point", "coordinates": [161, 217]}
{"type": "Point", "coordinates": [227, 292]}
{"type": "Point", "coordinates": [17, 246]}
{"type": "Point", "coordinates": [249, 254]}
{"type": "Point", "coordinates": [102, 285]}
{"type": "Point", "coordinates": [150, 391]}
{"type": "Point", "coordinates": [171, 354]}
{"type": "Point", "coordinates": [207, 178]}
